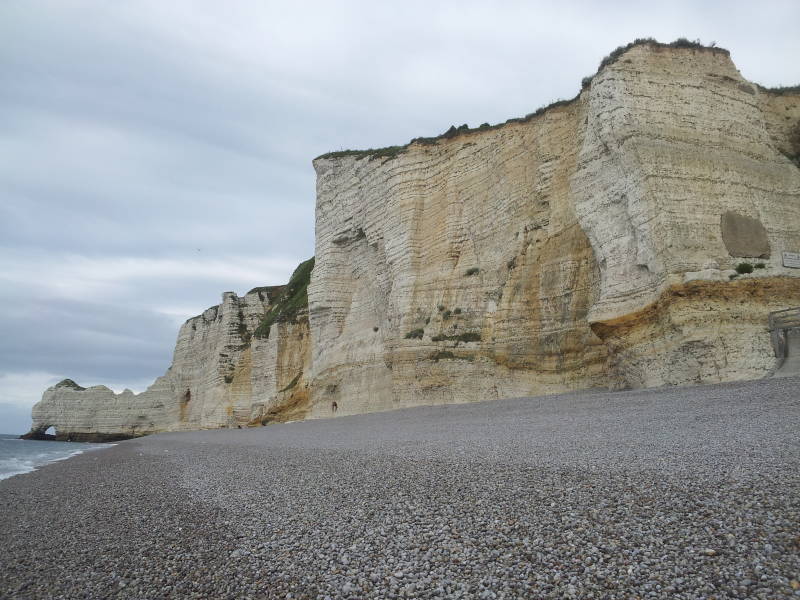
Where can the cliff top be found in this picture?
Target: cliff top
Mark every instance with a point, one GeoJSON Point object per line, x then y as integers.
{"type": "Point", "coordinates": [269, 291]}
{"type": "Point", "coordinates": [390, 152]}
{"type": "Point", "coordinates": [292, 300]}
{"type": "Point", "coordinates": [68, 383]}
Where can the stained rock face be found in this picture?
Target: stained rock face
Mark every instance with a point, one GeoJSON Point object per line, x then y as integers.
{"type": "Point", "coordinates": [581, 247]}
{"type": "Point", "coordinates": [453, 272]}
{"type": "Point", "coordinates": [591, 244]}
{"type": "Point", "coordinates": [744, 236]}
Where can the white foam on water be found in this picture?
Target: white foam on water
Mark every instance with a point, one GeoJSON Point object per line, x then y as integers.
{"type": "Point", "coordinates": [15, 466]}
{"type": "Point", "coordinates": [18, 459]}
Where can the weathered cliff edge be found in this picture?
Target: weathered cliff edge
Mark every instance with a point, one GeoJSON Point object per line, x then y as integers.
{"type": "Point", "coordinates": [588, 244]}
{"type": "Point", "coordinates": [239, 363]}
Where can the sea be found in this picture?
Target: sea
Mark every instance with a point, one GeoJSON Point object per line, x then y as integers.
{"type": "Point", "coordinates": [23, 456]}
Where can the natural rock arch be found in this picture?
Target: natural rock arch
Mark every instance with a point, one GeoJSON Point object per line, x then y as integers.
{"type": "Point", "coordinates": [41, 433]}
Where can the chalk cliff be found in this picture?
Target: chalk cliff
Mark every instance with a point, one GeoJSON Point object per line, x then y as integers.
{"type": "Point", "coordinates": [239, 363]}
{"type": "Point", "coordinates": [589, 244]}
{"type": "Point", "coordinates": [582, 246]}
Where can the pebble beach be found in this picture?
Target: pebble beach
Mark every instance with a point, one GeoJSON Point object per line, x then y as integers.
{"type": "Point", "coordinates": [685, 493]}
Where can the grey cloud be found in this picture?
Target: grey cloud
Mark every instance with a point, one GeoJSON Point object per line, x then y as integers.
{"type": "Point", "coordinates": [85, 340]}
{"type": "Point", "coordinates": [14, 418]}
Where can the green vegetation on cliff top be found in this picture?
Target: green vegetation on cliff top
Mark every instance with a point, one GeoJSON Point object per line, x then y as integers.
{"type": "Point", "coordinates": [270, 292]}
{"type": "Point", "coordinates": [70, 384]}
{"type": "Point", "coordinates": [292, 300]}
{"type": "Point", "coordinates": [391, 152]}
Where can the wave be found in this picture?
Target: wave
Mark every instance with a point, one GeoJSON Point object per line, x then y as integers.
{"type": "Point", "coordinates": [26, 462]}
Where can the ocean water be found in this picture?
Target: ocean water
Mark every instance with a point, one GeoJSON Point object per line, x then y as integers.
{"type": "Point", "coordinates": [23, 456]}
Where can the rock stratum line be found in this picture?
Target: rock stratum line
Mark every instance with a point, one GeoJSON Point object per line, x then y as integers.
{"type": "Point", "coordinates": [590, 244]}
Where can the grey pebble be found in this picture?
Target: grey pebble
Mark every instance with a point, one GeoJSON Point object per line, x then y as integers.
{"type": "Point", "coordinates": [671, 493]}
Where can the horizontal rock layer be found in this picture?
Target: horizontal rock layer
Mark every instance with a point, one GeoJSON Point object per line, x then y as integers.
{"type": "Point", "coordinates": [227, 371]}
{"type": "Point", "coordinates": [551, 254]}
{"type": "Point", "coordinates": [591, 244]}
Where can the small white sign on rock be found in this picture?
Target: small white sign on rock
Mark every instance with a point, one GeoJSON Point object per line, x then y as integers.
{"type": "Point", "coordinates": [791, 260]}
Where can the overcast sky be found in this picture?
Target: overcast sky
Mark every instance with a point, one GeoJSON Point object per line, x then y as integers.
{"type": "Point", "coordinates": [154, 154]}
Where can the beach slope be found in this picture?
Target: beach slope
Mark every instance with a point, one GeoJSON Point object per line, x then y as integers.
{"type": "Point", "coordinates": [675, 492]}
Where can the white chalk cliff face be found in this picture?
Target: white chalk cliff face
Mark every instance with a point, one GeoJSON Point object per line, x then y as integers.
{"type": "Point", "coordinates": [588, 245]}
{"type": "Point", "coordinates": [581, 247]}
{"type": "Point", "coordinates": [227, 371]}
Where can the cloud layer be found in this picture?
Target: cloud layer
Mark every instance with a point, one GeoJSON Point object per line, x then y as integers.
{"type": "Point", "coordinates": [155, 154]}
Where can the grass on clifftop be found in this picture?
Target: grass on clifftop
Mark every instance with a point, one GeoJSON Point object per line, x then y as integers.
{"type": "Point", "coordinates": [70, 384]}
{"type": "Point", "coordinates": [782, 90]}
{"type": "Point", "coordinates": [268, 292]}
{"type": "Point", "coordinates": [293, 299]}
{"type": "Point", "coordinates": [391, 152]}
{"type": "Point", "coordinates": [372, 153]}
{"type": "Point", "coordinates": [682, 42]}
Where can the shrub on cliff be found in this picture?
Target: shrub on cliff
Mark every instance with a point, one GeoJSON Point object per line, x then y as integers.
{"type": "Point", "coordinates": [291, 301]}
{"type": "Point", "coordinates": [70, 384]}
{"type": "Point", "coordinates": [415, 334]}
{"type": "Point", "coordinates": [372, 153]}
{"type": "Point", "coordinates": [470, 336]}
{"type": "Point", "coordinates": [743, 268]}
{"type": "Point", "coordinates": [794, 158]}
{"type": "Point", "coordinates": [781, 90]}
{"type": "Point", "coordinates": [292, 383]}
{"type": "Point", "coordinates": [681, 42]}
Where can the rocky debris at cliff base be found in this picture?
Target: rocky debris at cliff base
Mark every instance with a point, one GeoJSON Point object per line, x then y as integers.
{"type": "Point", "coordinates": [676, 492]}
{"type": "Point", "coordinates": [38, 434]}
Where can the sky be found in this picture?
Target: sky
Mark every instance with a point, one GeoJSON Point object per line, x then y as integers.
{"type": "Point", "coordinates": [156, 154]}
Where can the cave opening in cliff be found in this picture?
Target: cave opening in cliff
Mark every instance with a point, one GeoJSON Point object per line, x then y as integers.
{"type": "Point", "coordinates": [184, 405]}
{"type": "Point", "coordinates": [50, 430]}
